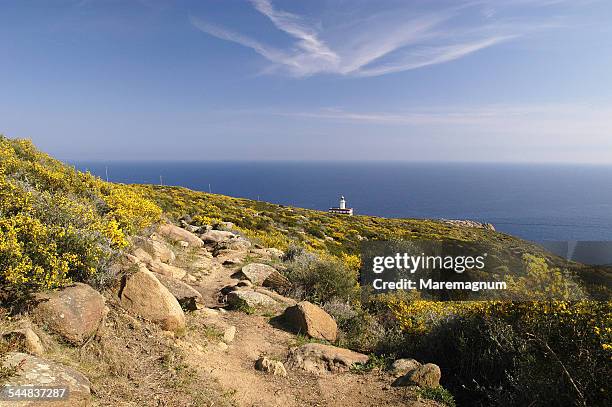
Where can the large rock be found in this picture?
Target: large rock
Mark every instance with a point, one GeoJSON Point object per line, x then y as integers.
{"type": "Point", "coordinates": [308, 319]}
{"type": "Point", "coordinates": [34, 371]}
{"type": "Point", "coordinates": [175, 233]}
{"type": "Point", "coordinates": [156, 249]}
{"type": "Point", "coordinates": [75, 312]}
{"type": "Point", "coordinates": [427, 375]}
{"type": "Point", "coordinates": [320, 358]}
{"type": "Point", "coordinates": [217, 236]}
{"type": "Point", "coordinates": [251, 299]}
{"type": "Point", "coordinates": [143, 295]}
{"type": "Point", "coordinates": [256, 273]}
{"type": "Point", "coordinates": [238, 244]}
{"type": "Point", "coordinates": [184, 293]}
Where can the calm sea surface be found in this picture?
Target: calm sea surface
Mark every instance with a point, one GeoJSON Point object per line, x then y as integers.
{"type": "Point", "coordinates": [536, 202]}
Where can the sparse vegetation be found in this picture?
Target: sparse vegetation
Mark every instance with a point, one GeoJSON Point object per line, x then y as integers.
{"type": "Point", "coordinates": [439, 394]}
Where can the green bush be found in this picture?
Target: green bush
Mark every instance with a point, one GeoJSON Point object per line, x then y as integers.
{"type": "Point", "coordinates": [321, 279]}
{"type": "Point", "coordinates": [533, 353]}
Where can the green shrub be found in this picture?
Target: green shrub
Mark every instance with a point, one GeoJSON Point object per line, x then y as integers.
{"type": "Point", "coordinates": [321, 279]}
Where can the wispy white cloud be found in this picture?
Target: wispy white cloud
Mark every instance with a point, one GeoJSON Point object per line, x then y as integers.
{"type": "Point", "coordinates": [359, 42]}
{"type": "Point", "coordinates": [576, 121]}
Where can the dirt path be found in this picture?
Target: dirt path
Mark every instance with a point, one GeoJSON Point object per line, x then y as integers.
{"type": "Point", "coordinates": [232, 366]}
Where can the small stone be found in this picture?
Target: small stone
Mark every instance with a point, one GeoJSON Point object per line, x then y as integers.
{"type": "Point", "coordinates": [183, 243]}
{"type": "Point", "coordinates": [268, 365]}
{"type": "Point", "coordinates": [27, 340]}
{"type": "Point", "coordinates": [229, 334]}
{"type": "Point", "coordinates": [222, 346]}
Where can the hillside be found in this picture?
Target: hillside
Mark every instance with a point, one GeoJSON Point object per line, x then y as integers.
{"type": "Point", "coordinates": [165, 296]}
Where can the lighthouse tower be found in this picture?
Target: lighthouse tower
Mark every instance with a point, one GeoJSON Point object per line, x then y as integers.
{"type": "Point", "coordinates": [341, 209]}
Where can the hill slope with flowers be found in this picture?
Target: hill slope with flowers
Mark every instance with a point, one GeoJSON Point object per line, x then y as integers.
{"type": "Point", "coordinates": [58, 226]}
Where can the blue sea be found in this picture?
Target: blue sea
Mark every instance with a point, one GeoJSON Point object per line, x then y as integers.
{"type": "Point", "coordinates": [535, 202]}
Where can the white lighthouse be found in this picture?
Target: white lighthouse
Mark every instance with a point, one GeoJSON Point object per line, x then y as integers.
{"type": "Point", "coordinates": [341, 209]}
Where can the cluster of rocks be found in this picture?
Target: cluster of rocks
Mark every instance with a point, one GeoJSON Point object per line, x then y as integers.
{"type": "Point", "coordinates": [154, 288]}
{"type": "Point", "coordinates": [469, 224]}
{"type": "Point", "coordinates": [150, 288]}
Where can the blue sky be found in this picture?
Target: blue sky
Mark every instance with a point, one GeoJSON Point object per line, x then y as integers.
{"type": "Point", "coordinates": [460, 80]}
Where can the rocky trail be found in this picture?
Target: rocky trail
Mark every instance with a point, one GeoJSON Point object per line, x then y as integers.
{"type": "Point", "coordinates": [234, 334]}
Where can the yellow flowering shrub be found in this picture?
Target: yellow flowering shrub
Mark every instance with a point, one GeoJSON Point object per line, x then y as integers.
{"type": "Point", "coordinates": [131, 211]}
{"type": "Point", "coordinates": [57, 224]}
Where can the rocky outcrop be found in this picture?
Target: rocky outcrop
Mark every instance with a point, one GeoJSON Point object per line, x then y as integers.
{"type": "Point", "coordinates": [427, 375]}
{"type": "Point", "coordinates": [469, 224]}
{"type": "Point", "coordinates": [143, 295]}
{"type": "Point", "coordinates": [34, 371]}
{"type": "Point", "coordinates": [247, 298]}
{"type": "Point", "coordinates": [308, 319]}
{"type": "Point", "coordinates": [175, 234]}
{"type": "Point", "coordinates": [320, 358]}
{"type": "Point", "coordinates": [74, 313]}
{"type": "Point", "coordinates": [186, 296]}
{"type": "Point", "coordinates": [274, 367]}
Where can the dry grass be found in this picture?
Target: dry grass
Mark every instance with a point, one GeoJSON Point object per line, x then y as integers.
{"type": "Point", "coordinates": [133, 363]}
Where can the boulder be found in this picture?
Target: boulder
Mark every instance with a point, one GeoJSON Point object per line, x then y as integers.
{"type": "Point", "coordinates": [252, 299]}
{"type": "Point", "coordinates": [403, 366]}
{"type": "Point", "coordinates": [184, 293]}
{"type": "Point", "coordinates": [268, 365]}
{"type": "Point", "coordinates": [143, 295]}
{"type": "Point", "coordinates": [308, 319]}
{"type": "Point", "coordinates": [166, 269]}
{"type": "Point", "coordinates": [175, 233]}
{"type": "Point", "coordinates": [25, 340]}
{"type": "Point", "coordinates": [217, 236]}
{"type": "Point", "coordinates": [74, 312]}
{"type": "Point", "coordinates": [34, 371]}
{"type": "Point", "coordinates": [427, 375]}
{"type": "Point", "coordinates": [320, 358]}
{"type": "Point", "coordinates": [156, 249]}
{"type": "Point", "coordinates": [238, 244]}
{"type": "Point", "coordinates": [256, 273]}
